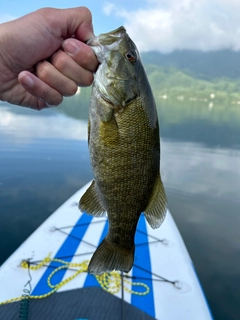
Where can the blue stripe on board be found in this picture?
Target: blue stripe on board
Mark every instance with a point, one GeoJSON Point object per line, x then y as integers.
{"type": "Point", "coordinates": [67, 251]}
{"type": "Point", "coordinates": [90, 279]}
{"type": "Point", "coordinates": [142, 259]}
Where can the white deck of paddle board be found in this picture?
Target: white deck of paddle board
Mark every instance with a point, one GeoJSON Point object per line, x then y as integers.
{"type": "Point", "coordinates": [170, 260]}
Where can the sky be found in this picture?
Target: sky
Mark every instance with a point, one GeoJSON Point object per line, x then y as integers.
{"type": "Point", "coordinates": [162, 25]}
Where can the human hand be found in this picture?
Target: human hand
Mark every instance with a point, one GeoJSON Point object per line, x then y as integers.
{"type": "Point", "coordinates": [43, 56]}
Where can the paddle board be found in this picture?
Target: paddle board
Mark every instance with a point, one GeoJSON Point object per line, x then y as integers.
{"type": "Point", "coordinates": [46, 278]}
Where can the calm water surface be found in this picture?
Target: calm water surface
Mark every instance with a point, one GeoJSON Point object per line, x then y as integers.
{"type": "Point", "coordinates": [44, 160]}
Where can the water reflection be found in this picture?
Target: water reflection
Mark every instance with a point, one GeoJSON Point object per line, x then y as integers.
{"type": "Point", "coordinates": [44, 159]}
{"type": "Point", "coordinates": [26, 127]}
{"type": "Point", "coordinates": [197, 169]}
{"type": "Point", "coordinates": [181, 121]}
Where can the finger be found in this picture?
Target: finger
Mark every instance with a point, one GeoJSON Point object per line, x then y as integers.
{"type": "Point", "coordinates": [55, 79]}
{"type": "Point", "coordinates": [84, 31]}
{"type": "Point", "coordinates": [74, 21]}
{"type": "Point", "coordinates": [46, 95]}
{"type": "Point", "coordinates": [81, 53]}
{"type": "Point", "coordinates": [71, 69]}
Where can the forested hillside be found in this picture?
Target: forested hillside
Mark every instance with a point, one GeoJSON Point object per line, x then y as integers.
{"type": "Point", "coordinates": [184, 76]}
{"type": "Point", "coordinates": [202, 65]}
{"type": "Point", "coordinates": [195, 75]}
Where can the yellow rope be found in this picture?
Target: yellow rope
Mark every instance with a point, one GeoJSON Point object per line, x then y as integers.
{"type": "Point", "coordinates": [110, 282]}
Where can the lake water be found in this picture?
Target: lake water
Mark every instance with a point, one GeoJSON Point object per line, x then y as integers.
{"type": "Point", "coordinates": [44, 160]}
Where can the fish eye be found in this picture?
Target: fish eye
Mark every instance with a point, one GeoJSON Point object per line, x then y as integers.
{"type": "Point", "coordinates": [131, 56]}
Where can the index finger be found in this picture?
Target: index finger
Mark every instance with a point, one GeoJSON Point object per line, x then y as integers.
{"type": "Point", "coordinates": [81, 53]}
{"type": "Point", "coordinates": [74, 21]}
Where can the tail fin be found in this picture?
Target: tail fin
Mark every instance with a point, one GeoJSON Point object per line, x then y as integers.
{"type": "Point", "coordinates": [110, 256]}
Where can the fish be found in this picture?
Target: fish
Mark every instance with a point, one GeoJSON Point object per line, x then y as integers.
{"type": "Point", "coordinates": [124, 148]}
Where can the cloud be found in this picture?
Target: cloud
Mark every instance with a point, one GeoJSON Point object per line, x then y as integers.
{"type": "Point", "coordinates": [6, 17]}
{"type": "Point", "coordinates": [108, 8]}
{"type": "Point", "coordinates": [188, 24]}
{"type": "Point", "coordinates": [26, 130]}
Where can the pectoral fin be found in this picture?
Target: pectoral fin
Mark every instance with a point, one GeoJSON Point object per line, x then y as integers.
{"type": "Point", "coordinates": [91, 202]}
{"type": "Point", "coordinates": [157, 206]}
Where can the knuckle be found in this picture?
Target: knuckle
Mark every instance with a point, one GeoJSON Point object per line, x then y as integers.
{"type": "Point", "coordinates": [59, 60]}
{"type": "Point", "coordinates": [42, 11]}
{"type": "Point", "coordinates": [44, 94]}
{"type": "Point", "coordinates": [86, 13]}
{"type": "Point", "coordinates": [42, 70]}
{"type": "Point", "coordinates": [87, 57]}
{"type": "Point", "coordinates": [50, 96]}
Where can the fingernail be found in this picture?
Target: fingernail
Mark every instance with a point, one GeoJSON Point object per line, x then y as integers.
{"type": "Point", "coordinates": [71, 46]}
{"type": "Point", "coordinates": [27, 82]}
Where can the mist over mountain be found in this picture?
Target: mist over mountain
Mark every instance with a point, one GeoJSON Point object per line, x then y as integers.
{"type": "Point", "coordinates": [198, 64]}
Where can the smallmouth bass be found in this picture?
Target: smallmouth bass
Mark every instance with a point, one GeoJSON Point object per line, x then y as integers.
{"type": "Point", "coordinates": [124, 147]}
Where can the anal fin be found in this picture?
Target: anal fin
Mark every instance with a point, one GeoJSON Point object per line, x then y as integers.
{"type": "Point", "coordinates": [157, 206]}
{"type": "Point", "coordinates": [91, 202]}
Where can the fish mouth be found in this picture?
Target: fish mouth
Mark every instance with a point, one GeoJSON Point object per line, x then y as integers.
{"type": "Point", "coordinates": [106, 42]}
{"type": "Point", "coordinates": [119, 32]}
{"type": "Point", "coordinates": [108, 39]}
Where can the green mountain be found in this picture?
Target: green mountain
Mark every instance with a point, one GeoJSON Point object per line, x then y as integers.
{"type": "Point", "coordinates": [192, 76]}
{"type": "Point", "coordinates": [202, 65]}
{"type": "Point", "coordinates": [195, 75]}
{"type": "Point", "coordinates": [184, 76]}
{"type": "Point", "coordinates": [191, 89]}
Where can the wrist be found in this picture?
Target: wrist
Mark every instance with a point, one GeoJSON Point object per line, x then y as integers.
{"type": "Point", "coordinates": [5, 77]}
